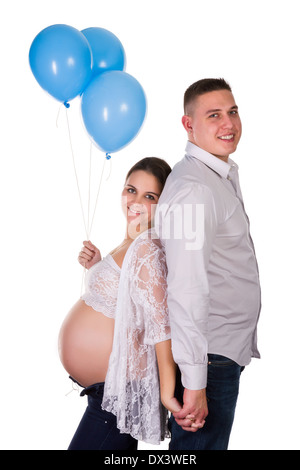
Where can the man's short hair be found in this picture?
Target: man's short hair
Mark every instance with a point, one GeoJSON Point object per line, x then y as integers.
{"type": "Point", "coordinates": [201, 87]}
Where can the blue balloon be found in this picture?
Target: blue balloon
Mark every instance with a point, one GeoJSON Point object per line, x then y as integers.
{"type": "Point", "coordinates": [107, 51]}
{"type": "Point", "coordinates": [113, 108]}
{"type": "Point", "coordinates": [61, 61]}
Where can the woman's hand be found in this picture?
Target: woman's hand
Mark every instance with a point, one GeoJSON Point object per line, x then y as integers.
{"type": "Point", "coordinates": [89, 255]}
{"type": "Point", "coordinates": [170, 402]}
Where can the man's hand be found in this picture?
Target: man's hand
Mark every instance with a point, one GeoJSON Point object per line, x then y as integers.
{"type": "Point", "coordinates": [192, 416]}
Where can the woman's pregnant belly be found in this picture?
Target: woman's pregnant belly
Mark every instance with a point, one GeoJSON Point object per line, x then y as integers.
{"type": "Point", "coordinates": [85, 343]}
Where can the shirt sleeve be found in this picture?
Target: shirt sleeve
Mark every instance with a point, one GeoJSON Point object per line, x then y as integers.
{"type": "Point", "coordinates": [149, 292]}
{"type": "Point", "coordinates": [186, 224]}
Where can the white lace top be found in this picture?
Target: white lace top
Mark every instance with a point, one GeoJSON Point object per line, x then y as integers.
{"type": "Point", "coordinates": [132, 383]}
{"type": "Point", "coordinates": [101, 283]}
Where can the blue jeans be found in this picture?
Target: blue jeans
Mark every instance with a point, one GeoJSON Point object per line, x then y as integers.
{"type": "Point", "coordinates": [222, 392]}
{"type": "Point", "coordinates": [97, 429]}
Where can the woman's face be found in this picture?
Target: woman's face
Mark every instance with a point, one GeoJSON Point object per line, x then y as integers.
{"type": "Point", "coordinates": [139, 199]}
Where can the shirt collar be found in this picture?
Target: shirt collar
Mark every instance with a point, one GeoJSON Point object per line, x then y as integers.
{"type": "Point", "coordinates": [216, 164]}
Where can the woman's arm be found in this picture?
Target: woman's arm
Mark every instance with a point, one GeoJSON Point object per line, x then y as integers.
{"type": "Point", "coordinates": [167, 375]}
{"type": "Point", "coordinates": [150, 293]}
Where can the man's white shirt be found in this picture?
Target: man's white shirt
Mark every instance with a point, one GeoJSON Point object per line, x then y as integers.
{"type": "Point", "coordinates": [213, 282]}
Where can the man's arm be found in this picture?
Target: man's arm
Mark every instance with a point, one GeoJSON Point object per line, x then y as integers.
{"type": "Point", "coordinates": [188, 288]}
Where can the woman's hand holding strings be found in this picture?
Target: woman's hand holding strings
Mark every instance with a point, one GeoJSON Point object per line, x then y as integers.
{"type": "Point", "coordinates": [89, 255]}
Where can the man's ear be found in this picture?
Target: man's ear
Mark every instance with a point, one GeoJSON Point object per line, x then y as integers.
{"type": "Point", "coordinates": [187, 123]}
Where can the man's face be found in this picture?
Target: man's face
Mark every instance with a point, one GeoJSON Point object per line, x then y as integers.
{"type": "Point", "coordinates": [213, 123]}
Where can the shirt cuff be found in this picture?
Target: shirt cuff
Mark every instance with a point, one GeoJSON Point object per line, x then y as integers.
{"type": "Point", "coordinates": [193, 377]}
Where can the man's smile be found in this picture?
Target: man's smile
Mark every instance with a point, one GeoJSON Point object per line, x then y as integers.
{"type": "Point", "coordinates": [227, 137]}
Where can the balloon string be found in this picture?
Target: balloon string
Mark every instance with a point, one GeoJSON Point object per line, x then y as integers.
{"type": "Point", "coordinates": [88, 225]}
{"type": "Point", "coordinates": [58, 114]}
{"type": "Point", "coordinates": [74, 388]}
{"type": "Point", "coordinates": [89, 192]}
{"type": "Point", "coordinates": [97, 198]}
{"type": "Point", "coordinates": [108, 157]}
{"type": "Point", "coordinates": [82, 281]}
{"type": "Point", "coordinates": [76, 176]}
{"type": "Point", "coordinates": [89, 188]}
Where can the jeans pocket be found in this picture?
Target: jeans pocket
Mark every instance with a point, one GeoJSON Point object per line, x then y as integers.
{"type": "Point", "coordinates": [220, 361]}
{"type": "Point", "coordinates": [221, 368]}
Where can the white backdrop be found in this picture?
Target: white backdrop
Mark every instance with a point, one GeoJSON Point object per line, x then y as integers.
{"type": "Point", "coordinates": [169, 44]}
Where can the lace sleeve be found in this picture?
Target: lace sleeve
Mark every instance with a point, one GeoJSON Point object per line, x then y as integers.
{"type": "Point", "coordinates": [132, 390]}
{"type": "Point", "coordinates": [149, 291]}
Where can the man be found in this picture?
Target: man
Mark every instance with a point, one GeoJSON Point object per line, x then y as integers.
{"type": "Point", "coordinates": [213, 282]}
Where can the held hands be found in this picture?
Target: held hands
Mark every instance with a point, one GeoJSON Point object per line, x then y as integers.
{"type": "Point", "coordinates": [194, 411]}
{"type": "Point", "coordinates": [89, 255]}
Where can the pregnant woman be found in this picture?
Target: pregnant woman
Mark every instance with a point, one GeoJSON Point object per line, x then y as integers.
{"type": "Point", "coordinates": [116, 338]}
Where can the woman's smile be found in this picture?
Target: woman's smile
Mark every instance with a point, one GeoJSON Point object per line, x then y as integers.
{"type": "Point", "coordinates": [136, 210]}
